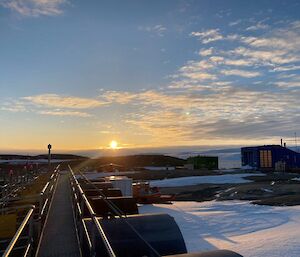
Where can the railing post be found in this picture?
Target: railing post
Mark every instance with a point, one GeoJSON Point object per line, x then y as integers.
{"type": "Point", "coordinates": [80, 218]}
{"type": "Point", "coordinates": [39, 219]}
{"type": "Point", "coordinates": [30, 235]}
{"type": "Point", "coordinates": [93, 247]}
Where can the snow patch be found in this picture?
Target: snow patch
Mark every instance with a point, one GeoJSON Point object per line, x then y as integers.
{"type": "Point", "coordinates": [296, 179]}
{"type": "Point", "coordinates": [195, 180]}
{"type": "Point", "coordinates": [251, 230]}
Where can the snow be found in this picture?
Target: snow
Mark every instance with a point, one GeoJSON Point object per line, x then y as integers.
{"type": "Point", "coordinates": [195, 180]}
{"type": "Point", "coordinates": [267, 190]}
{"type": "Point", "coordinates": [96, 175]}
{"type": "Point", "coordinates": [247, 167]}
{"type": "Point", "coordinates": [251, 230]}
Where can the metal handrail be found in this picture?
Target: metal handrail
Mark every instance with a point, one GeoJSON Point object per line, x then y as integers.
{"type": "Point", "coordinates": [115, 209]}
{"type": "Point", "coordinates": [19, 232]}
{"type": "Point", "coordinates": [17, 187]}
{"type": "Point", "coordinates": [47, 189]}
{"type": "Point", "coordinates": [99, 228]}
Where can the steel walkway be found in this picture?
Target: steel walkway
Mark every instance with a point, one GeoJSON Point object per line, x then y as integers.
{"type": "Point", "coordinates": [59, 237]}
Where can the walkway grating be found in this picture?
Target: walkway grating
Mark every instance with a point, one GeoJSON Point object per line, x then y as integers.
{"type": "Point", "coordinates": [59, 237]}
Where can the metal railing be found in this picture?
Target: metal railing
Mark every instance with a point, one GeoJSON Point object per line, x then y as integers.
{"type": "Point", "coordinates": [79, 201]}
{"type": "Point", "coordinates": [14, 185]}
{"type": "Point", "coordinates": [45, 199]}
{"type": "Point", "coordinates": [28, 221]}
{"type": "Point", "coordinates": [34, 219]}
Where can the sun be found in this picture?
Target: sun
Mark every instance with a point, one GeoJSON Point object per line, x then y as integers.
{"type": "Point", "coordinates": [113, 144]}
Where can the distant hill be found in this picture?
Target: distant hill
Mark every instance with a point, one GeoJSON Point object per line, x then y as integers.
{"type": "Point", "coordinates": [41, 156]}
{"type": "Point", "coordinates": [142, 160]}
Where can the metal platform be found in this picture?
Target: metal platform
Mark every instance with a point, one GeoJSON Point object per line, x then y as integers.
{"type": "Point", "coordinates": [59, 236]}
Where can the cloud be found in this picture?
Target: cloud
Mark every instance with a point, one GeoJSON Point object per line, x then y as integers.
{"type": "Point", "coordinates": [54, 100]}
{"type": "Point", "coordinates": [217, 59]}
{"type": "Point", "coordinates": [241, 73]}
{"type": "Point", "coordinates": [239, 62]}
{"type": "Point", "coordinates": [208, 36]}
{"type": "Point", "coordinates": [52, 104]}
{"type": "Point", "coordinates": [288, 84]}
{"type": "Point", "coordinates": [12, 105]}
{"type": "Point", "coordinates": [249, 129]}
{"type": "Point", "coordinates": [206, 52]}
{"type": "Point", "coordinates": [234, 23]}
{"type": "Point", "coordinates": [65, 113]}
{"type": "Point", "coordinates": [287, 68]}
{"type": "Point", "coordinates": [156, 29]}
{"type": "Point", "coordinates": [199, 76]}
{"type": "Point", "coordinates": [244, 89]}
{"type": "Point", "coordinates": [258, 26]}
{"type": "Point", "coordinates": [190, 116]}
{"type": "Point", "coordinates": [284, 39]}
{"type": "Point", "coordinates": [217, 96]}
{"type": "Point", "coordinates": [35, 8]}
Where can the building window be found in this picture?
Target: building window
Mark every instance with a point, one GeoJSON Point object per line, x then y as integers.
{"type": "Point", "coordinates": [265, 158]}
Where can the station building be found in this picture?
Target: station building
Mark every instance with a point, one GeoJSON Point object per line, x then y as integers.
{"type": "Point", "coordinates": [271, 158]}
{"type": "Point", "coordinates": [203, 162]}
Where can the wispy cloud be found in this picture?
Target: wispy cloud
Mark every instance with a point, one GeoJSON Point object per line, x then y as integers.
{"type": "Point", "coordinates": [241, 73]}
{"type": "Point", "coordinates": [258, 26]}
{"type": "Point", "coordinates": [13, 106]}
{"type": "Point", "coordinates": [234, 23]}
{"type": "Point", "coordinates": [235, 91]}
{"type": "Point", "coordinates": [190, 115]}
{"type": "Point", "coordinates": [65, 113]}
{"type": "Point", "coordinates": [244, 89]}
{"type": "Point", "coordinates": [35, 8]}
{"type": "Point", "coordinates": [156, 29]}
{"type": "Point", "coordinates": [52, 104]}
{"type": "Point", "coordinates": [206, 52]}
{"type": "Point", "coordinates": [54, 100]}
{"type": "Point", "coordinates": [208, 36]}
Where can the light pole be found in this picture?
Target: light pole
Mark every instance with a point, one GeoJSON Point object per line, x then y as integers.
{"type": "Point", "coordinates": [49, 156]}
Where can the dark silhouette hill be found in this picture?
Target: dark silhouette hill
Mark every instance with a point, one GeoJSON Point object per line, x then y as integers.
{"type": "Point", "coordinates": [41, 156]}
{"type": "Point", "coordinates": [141, 160]}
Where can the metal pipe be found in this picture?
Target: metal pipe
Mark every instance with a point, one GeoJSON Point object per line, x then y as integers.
{"type": "Point", "coordinates": [18, 233]}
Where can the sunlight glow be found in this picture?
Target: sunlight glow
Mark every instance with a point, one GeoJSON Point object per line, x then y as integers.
{"type": "Point", "coordinates": [113, 144]}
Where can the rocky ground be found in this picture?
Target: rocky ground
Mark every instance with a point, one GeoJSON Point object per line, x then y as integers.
{"type": "Point", "coordinates": [276, 189]}
{"type": "Point", "coordinates": [165, 174]}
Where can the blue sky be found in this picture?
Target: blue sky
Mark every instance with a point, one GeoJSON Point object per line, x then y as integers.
{"type": "Point", "coordinates": [148, 73]}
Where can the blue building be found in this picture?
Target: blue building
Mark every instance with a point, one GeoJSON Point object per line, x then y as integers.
{"type": "Point", "coordinates": [270, 158]}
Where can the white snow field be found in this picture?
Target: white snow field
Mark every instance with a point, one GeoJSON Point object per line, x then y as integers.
{"type": "Point", "coordinates": [251, 230]}
{"type": "Point", "coordinates": [195, 180]}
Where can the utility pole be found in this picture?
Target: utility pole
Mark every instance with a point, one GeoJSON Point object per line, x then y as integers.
{"type": "Point", "coordinates": [49, 156]}
{"type": "Point", "coordinates": [296, 144]}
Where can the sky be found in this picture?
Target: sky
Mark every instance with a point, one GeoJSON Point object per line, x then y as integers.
{"type": "Point", "coordinates": [78, 74]}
